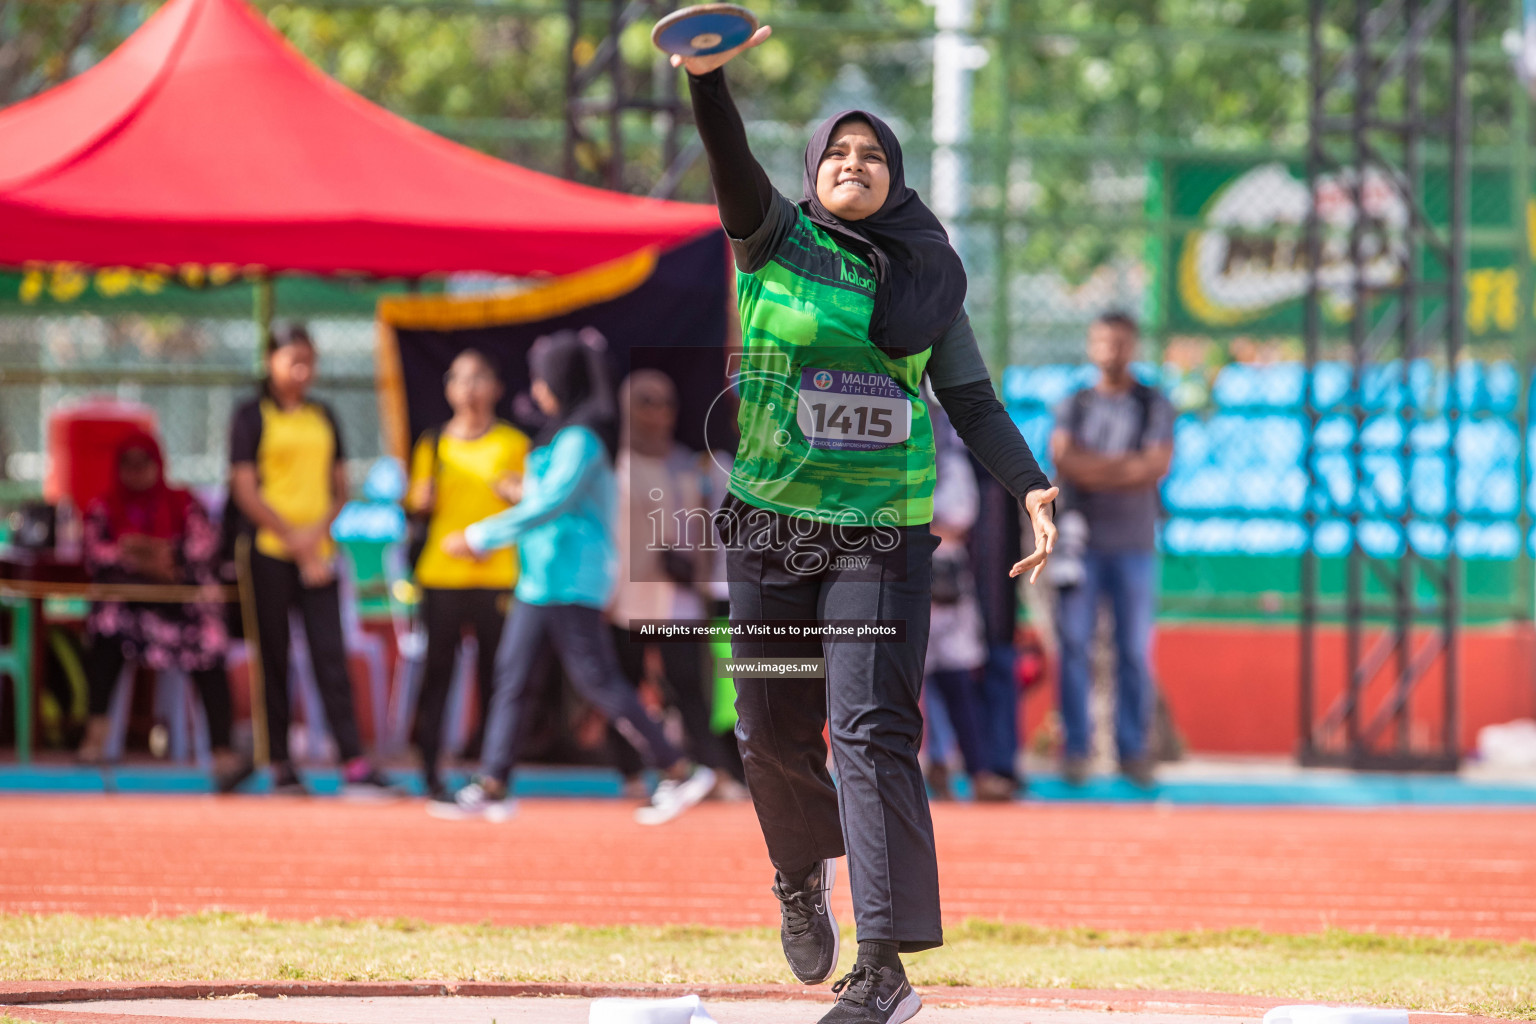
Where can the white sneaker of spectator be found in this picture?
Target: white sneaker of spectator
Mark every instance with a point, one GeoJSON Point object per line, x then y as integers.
{"type": "Point", "coordinates": [674, 796]}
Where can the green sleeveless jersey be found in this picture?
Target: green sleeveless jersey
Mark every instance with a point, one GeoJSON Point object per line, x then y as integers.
{"type": "Point", "coordinates": [832, 428]}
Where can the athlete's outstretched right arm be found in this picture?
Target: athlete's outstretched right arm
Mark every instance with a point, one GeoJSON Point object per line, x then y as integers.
{"type": "Point", "coordinates": [754, 215]}
{"type": "Point", "coordinates": [741, 185]}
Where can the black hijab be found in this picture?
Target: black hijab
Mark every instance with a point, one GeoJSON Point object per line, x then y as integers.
{"type": "Point", "coordinates": [919, 279]}
{"type": "Point", "coordinates": [572, 364]}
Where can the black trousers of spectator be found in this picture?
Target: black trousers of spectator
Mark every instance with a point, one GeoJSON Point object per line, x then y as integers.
{"type": "Point", "coordinates": [446, 614]}
{"type": "Point", "coordinates": [685, 682]}
{"type": "Point", "coordinates": [960, 690]}
{"type": "Point", "coordinates": [878, 813]}
{"type": "Point", "coordinates": [581, 641]}
{"type": "Point", "coordinates": [104, 663]}
{"type": "Point", "coordinates": [277, 588]}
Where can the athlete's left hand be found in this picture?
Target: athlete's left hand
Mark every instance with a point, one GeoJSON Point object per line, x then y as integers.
{"type": "Point", "coordinates": [1038, 505]}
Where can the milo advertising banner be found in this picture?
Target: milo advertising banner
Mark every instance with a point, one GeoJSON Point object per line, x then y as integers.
{"type": "Point", "coordinates": [1238, 255]}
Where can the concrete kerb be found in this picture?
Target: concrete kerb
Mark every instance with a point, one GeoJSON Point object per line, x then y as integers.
{"type": "Point", "coordinates": [16, 994]}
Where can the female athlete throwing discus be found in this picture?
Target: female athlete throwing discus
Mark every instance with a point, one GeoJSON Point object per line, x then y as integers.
{"type": "Point", "coordinates": [848, 299]}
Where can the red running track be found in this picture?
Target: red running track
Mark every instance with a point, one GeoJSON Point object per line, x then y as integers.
{"type": "Point", "coordinates": [1427, 872]}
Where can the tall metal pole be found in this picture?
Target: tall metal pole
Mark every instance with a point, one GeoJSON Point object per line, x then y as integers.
{"type": "Point", "coordinates": [1461, 36]}
{"type": "Point", "coordinates": [614, 172]}
{"type": "Point", "coordinates": [664, 86]}
{"type": "Point", "coordinates": [1311, 327]}
{"type": "Point", "coordinates": [1002, 68]}
{"type": "Point", "coordinates": [572, 118]}
{"type": "Point", "coordinates": [1525, 356]}
{"type": "Point", "coordinates": [1359, 324]}
{"type": "Point", "coordinates": [955, 58]}
{"type": "Point", "coordinates": [1403, 591]}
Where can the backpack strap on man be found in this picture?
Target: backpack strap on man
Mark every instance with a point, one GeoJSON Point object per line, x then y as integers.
{"type": "Point", "coordinates": [1143, 394]}
{"type": "Point", "coordinates": [1078, 411]}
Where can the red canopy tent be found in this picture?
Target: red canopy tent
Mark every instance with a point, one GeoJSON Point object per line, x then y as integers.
{"type": "Point", "coordinates": [207, 139]}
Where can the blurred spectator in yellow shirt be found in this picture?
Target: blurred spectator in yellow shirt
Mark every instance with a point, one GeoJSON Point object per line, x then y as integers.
{"type": "Point", "coordinates": [464, 471]}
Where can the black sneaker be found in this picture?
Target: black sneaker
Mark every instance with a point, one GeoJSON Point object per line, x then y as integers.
{"type": "Point", "coordinates": [286, 781]}
{"type": "Point", "coordinates": [873, 995]}
{"type": "Point", "coordinates": [937, 777]}
{"type": "Point", "coordinates": [230, 778]}
{"type": "Point", "coordinates": [1074, 770]}
{"type": "Point", "coordinates": [483, 799]}
{"type": "Point", "coordinates": [808, 929]}
{"type": "Point", "coordinates": [1139, 770]}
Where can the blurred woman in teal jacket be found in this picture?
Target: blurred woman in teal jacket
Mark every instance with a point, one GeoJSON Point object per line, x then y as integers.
{"type": "Point", "coordinates": [563, 529]}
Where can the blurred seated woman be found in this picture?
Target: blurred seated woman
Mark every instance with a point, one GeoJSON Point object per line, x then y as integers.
{"type": "Point", "coordinates": [147, 532]}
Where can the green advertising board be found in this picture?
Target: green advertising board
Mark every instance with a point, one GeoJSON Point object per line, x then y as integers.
{"type": "Point", "coordinates": [1236, 260]}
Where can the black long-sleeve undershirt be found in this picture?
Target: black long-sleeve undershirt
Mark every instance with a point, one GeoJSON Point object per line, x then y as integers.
{"type": "Point", "coordinates": [956, 370]}
{"type": "Point", "coordinates": [742, 188]}
{"type": "Point", "coordinates": [987, 430]}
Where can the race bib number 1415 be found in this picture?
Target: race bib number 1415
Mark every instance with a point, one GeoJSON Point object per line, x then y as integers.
{"type": "Point", "coordinates": [852, 411]}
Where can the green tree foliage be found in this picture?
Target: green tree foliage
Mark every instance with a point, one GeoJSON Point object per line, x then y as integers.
{"type": "Point", "coordinates": [464, 72]}
{"type": "Point", "coordinates": [43, 43]}
{"type": "Point", "coordinates": [497, 80]}
{"type": "Point", "coordinates": [1129, 80]}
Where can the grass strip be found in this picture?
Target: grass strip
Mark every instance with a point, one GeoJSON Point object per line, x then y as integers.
{"type": "Point", "coordinates": [1431, 974]}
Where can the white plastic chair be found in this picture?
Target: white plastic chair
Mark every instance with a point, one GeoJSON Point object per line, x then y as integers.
{"type": "Point", "coordinates": [176, 704]}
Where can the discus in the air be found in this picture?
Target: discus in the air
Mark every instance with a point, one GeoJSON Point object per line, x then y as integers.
{"type": "Point", "coordinates": [705, 29]}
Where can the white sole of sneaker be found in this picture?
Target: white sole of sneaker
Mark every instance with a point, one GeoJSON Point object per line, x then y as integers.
{"type": "Point", "coordinates": [453, 812]}
{"type": "Point", "coordinates": [829, 872]}
{"type": "Point", "coordinates": [907, 1008]}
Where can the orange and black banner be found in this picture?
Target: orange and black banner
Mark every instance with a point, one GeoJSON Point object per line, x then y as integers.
{"type": "Point", "coordinates": [662, 310]}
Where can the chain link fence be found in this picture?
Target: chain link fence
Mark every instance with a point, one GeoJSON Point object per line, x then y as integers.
{"type": "Point", "coordinates": [191, 371]}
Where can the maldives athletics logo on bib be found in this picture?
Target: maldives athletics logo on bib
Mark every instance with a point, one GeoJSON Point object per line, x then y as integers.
{"type": "Point", "coordinates": [851, 411]}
